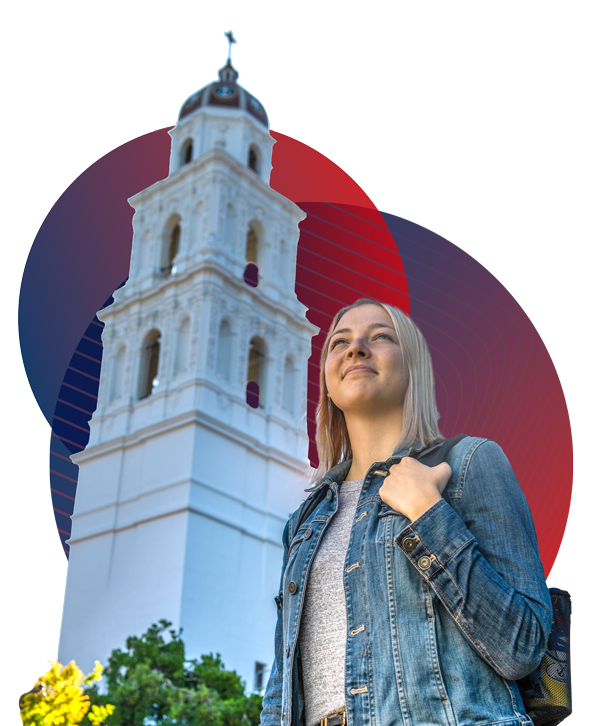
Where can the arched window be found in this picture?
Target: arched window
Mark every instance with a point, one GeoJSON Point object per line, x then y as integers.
{"type": "Point", "coordinates": [182, 346]}
{"type": "Point", "coordinates": [118, 373]}
{"type": "Point", "coordinates": [254, 158]}
{"type": "Point", "coordinates": [149, 364]}
{"type": "Point", "coordinates": [255, 379]}
{"type": "Point", "coordinates": [171, 246]}
{"type": "Point", "coordinates": [224, 350]}
{"type": "Point", "coordinates": [251, 271]}
{"type": "Point", "coordinates": [289, 385]}
{"type": "Point", "coordinates": [251, 246]}
{"type": "Point", "coordinates": [174, 246]}
{"type": "Point", "coordinates": [187, 151]}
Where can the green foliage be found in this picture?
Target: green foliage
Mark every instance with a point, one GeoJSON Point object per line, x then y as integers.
{"type": "Point", "coordinates": [152, 683]}
{"type": "Point", "coordinates": [58, 699]}
{"type": "Point", "coordinates": [211, 671]}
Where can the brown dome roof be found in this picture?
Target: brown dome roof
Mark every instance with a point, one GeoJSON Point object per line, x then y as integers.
{"type": "Point", "coordinates": [226, 92]}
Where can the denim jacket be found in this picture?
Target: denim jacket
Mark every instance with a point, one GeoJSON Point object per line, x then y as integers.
{"type": "Point", "coordinates": [455, 604]}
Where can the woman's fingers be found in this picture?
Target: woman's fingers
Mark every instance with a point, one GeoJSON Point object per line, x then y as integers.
{"type": "Point", "coordinates": [443, 473]}
{"type": "Point", "coordinates": [411, 487]}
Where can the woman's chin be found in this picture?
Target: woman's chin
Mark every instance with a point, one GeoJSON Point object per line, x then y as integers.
{"type": "Point", "coordinates": [364, 407]}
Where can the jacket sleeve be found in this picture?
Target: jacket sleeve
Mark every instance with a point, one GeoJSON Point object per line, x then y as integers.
{"type": "Point", "coordinates": [271, 711]}
{"type": "Point", "coordinates": [483, 562]}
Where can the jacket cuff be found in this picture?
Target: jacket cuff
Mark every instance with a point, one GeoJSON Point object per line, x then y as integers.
{"type": "Point", "coordinates": [433, 539]}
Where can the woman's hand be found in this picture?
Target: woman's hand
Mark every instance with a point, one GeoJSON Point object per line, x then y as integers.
{"type": "Point", "coordinates": [412, 488]}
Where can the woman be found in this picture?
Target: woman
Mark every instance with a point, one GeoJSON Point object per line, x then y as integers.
{"type": "Point", "coordinates": [411, 595]}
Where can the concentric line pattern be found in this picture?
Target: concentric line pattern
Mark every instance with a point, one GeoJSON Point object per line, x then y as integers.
{"type": "Point", "coordinates": [491, 289]}
{"type": "Point", "coordinates": [76, 403]}
{"type": "Point", "coordinates": [344, 253]}
{"type": "Point", "coordinates": [494, 376]}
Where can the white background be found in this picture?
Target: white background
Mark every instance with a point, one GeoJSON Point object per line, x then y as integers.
{"type": "Point", "coordinates": [476, 120]}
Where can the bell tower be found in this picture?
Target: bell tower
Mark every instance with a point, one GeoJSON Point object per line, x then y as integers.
{"type": "Point", "coordinates": [198, 445]}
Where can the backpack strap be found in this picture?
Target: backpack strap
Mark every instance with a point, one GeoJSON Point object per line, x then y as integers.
{"type": "Point", "coordinates": [437, 454]}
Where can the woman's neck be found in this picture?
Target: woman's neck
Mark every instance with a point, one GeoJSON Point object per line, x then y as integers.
{"type": "Point", "coordinates": [372, 439]}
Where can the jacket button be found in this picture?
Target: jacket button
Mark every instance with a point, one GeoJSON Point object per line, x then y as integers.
{"type": "Point", "coordinates": [292, 587]}
{"type": "Point", "coordinates": [329, 495]}
{"type": "Point", "coordinates": [287, 651]}
{"type": "Point", "coordinates": [409, 544]}
{"type": "Point", "coordinates": [424, 562]}
{"type": "Point", "coordinates": [308, 534]}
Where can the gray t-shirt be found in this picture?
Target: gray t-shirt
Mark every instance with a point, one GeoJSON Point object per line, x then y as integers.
{"type": "Point", "coordinates": [323, 625]}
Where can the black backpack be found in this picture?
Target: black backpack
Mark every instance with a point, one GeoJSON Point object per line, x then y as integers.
{"type": "Point", "coordinates": [546, 692]}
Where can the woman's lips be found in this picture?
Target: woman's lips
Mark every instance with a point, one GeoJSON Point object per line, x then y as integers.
{"type": "Point", "coordinates": [357, 369]}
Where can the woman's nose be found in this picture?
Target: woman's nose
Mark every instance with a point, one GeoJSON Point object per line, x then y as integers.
{"type": "Point", "coordinates": [357, 348]}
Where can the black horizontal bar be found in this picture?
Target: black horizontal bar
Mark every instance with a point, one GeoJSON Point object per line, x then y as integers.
{"type": "Point", "coordinates": [123, 125]}
{"type": "Point", "coordinates": [304, 125]}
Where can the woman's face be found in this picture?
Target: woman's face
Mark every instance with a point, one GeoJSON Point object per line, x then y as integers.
{"type": "Point", "coordinates": [364, 367]}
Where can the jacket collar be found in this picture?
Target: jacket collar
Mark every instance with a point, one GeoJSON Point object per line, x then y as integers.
{"type": "Point", "coordinates": [339, 472]}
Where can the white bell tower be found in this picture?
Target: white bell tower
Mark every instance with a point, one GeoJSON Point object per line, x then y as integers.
{"type": "Point", "coordinates": [198, 444]}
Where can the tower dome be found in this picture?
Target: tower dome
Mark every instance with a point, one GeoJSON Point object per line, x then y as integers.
{"type": "Point", "coordinates": [225, 93]}
{"type": "Point", "coordinates": [223, 116]}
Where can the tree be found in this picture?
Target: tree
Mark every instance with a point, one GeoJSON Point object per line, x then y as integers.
{"type": "Point", "coordinates": [152, 683]}
{"type": "Point", "coordinates": [58, 698]}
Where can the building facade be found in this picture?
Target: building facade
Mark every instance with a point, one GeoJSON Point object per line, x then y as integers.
{"type": "Point", "coordinates": [198, 445]}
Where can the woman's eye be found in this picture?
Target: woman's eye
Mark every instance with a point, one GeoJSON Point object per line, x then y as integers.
{"type": "Point", "coordinates": [383, 335]}
{"type": "Point", "coordinates": [335, 342]}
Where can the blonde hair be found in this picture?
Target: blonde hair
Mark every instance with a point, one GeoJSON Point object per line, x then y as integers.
{"type": "Point", "coordinates": [420, 411]}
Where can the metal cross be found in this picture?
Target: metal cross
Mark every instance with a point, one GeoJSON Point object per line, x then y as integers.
{"type": "Point", "coordinates": [232, 40]}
